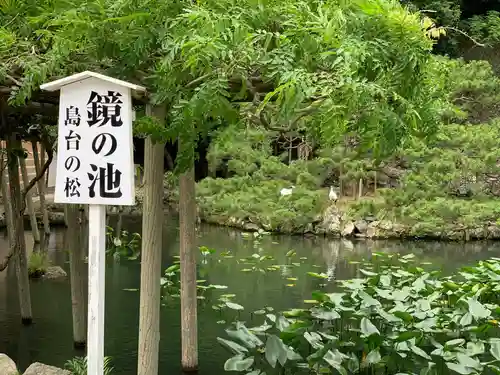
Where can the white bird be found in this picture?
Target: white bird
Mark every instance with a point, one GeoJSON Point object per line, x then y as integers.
{"type": "Point", "coordinates": [332, 195]}
{"type": "Point", "coordinates": [286, 191]}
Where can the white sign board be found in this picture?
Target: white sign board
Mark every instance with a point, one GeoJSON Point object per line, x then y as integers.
{"type": "Point", "coordinates": [94, 146]}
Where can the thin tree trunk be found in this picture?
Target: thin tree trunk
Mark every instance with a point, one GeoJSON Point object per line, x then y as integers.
{"type": "Point", "coordinates": [149, 309]}
{"type": "Point", "coordinates": [375, 184]}
{"type": "Point", "coordinates": [11, 232]}
{"type": "Point", "coordinates": [29, 202]}
{"type": "Point", "coordinates": [187, 225]}
{"type": "Point", "coordinates": [360, 188]}
{"type": "Point", "coordinates": [21, 259]}
{"type": "Point", "coordinates": [77, 276]}
{"type": "Point", "coordinates": [41, 189]}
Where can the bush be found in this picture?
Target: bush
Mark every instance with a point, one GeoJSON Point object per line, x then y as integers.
{"type": "Point", "coordinates": [38, 263]}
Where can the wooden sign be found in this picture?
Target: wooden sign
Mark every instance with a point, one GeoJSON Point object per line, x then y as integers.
{"type": "Point", "coordinates": [95, 167]}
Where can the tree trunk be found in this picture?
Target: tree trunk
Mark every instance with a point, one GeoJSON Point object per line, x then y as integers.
{"type": "Point", "coordinates": [360, 188]}
{"type": "Point", "coordinates": [187, 225]}
{"type": "Point", "coordinates": [11, 231]}
{"type": "Point", "coordinates": [149, 309]}
{"type": "Point", "coordinates": [29, 202]}
{"type": "Point", "coordinates": [77, 276]}
{"type": "Point", "coordinates": [66, 214]}
{"type": "Point", "coordinates": [20, 257]}
{"type": "Point", "coordinates": [41, 189]}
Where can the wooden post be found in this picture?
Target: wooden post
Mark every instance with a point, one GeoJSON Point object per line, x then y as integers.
{"type": "Point", "coordinates": [18, 220]}
{"type": "Point", "coordinates": [29, 202]}
{"type": "Point", "coordinates": [77, 274]}
{"type": "Point", "coordinates": [189, 301]}
{"type": "Point", "coordinates": [97, 262]}
{"type": "Point", "coordinates": [41, 190]}
{"type": "Point", "coordinates": [149, 310]}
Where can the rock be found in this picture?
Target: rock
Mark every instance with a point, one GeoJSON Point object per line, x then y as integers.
{"type": "Point", "coordinates": [385, 225]}
{"type": "Point", "coordinates": [7, 365]}
{"type": "Point", "coordinates": [309, 228]}
{"type": "Point", "coordinates": [361, 226]}
{"type": "Point", "coordinates": [41, 369]}
{"type": "Point", "coordinates": [478, 233]}
{"type": "Point", "coordinates": [493, 232]}
{"type": "Point", "coordinates": [251, 227]}
{"type": "Point", "coordinates": [372, 230]}
{"type": "Point", "coordinates": [347, 229]}
{"type": "Point", "coordinates": [54, 272]}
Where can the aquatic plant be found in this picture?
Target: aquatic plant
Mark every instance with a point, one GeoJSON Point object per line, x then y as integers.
{"type": "Point", "coordinates": [124, 245]}
{"type": "Point", "coordinates": [399, 319]}
{"type": "Point", "coordinates": [171, 285]}
{"type": "Point", "coordinates": [38, 263]}
{"type": "Point", "coordinates": [78, 366]}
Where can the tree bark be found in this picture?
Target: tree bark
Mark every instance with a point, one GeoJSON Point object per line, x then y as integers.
{"type": "Point", "coordinates": [20, 256]}
{"type": "Point", "coordinates": [152, 220]}
{"type": "Point", "coordinates": [77, 276]}
{"type": "Point", "coordinates": [41, 189]}
{"type": "Point", "coordinates": [11, 232]}
{"type": "Point", "coordinates": [29, 202]}
{"type": "Point", "coordinates": [187, 225]}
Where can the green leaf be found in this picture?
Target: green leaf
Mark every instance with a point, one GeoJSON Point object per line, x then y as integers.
{"type": "Point", "coordinates": [461, 369]}
{"type": "Point", "coordinates": [238, 363]}
{"type": "Point", "coordinates": [234, 306]}
{"type": "Point", "coordinates": [454, 342]}
{"type": "Point", "coordinates": [404, 336]}
{"type": "Point", "coordinates": [495, 350]}
{"type": "Point", "coordinates": [404, 315]}
{"type": "Point", "coordinates": [334, 359]}
{"type": "Point", "coordinates": [468, 361]}
{"type": "Point", "coordinates": [275, 351]}
{"type": "Point", "coordinates": [336, 298]}
{"type": "Point", "coordinates": [367, 327]}
{"type": "Point", "coordinates": [236, 348]}
{"type": "Point", "coordinates": [419, 352]}
{"type": "Point", "coordinates": [466, 320]}
{"type": "Point", "coordinates": [477, 310]}
{"type": "Point", "coordinates": [373, 357]}
{"type": "Point", "coordinates": [324, 314]}
{"type": "Point", "coordinates": [368, 300]}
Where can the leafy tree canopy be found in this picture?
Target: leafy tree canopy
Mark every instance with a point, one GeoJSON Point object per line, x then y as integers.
{"type": "Point", "coordinates": [325, 67]}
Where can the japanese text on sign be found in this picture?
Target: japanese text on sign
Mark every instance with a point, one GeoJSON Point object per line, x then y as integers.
{"type": "Point", "coordinates": [95, 146]}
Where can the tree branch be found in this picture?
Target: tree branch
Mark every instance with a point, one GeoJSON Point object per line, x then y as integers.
{"type": "Point", "coordinates": [466, 35]}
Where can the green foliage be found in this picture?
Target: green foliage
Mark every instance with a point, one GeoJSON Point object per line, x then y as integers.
{"type": "Point", "coordinates": [327, 68]}
{"type": "Point", "coordinates": [125, 245]}
{"type": "Point", "coordinates": [171, 285]}
{"type": "Point", "coordinates": [257, 200]}
{"type": "Point", "coordinates": [78, 366]}
{"type": "Point", "coordinates": [398, 319]}
{"type": "Point", "coordinates": [38, 263]}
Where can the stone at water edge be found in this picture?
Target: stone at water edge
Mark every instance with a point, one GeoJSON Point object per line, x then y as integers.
{"type": "Point", "coordinates": [7, 365]}
{"type": "Point", "coordinates": [347, 229]}
{"type": "Point", "coordinates": [54, 272]}
{"type": "Point", "coordinates": [41, 369]}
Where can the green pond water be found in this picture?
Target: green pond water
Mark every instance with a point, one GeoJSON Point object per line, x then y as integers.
{"type": "Point", "coordinates": [49, 339]}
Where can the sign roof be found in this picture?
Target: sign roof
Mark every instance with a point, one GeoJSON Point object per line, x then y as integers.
{"type": "Point", "coordinates": [56, 85]}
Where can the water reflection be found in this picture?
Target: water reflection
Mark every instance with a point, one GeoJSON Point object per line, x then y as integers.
{"type": "Point", "coordinates": [49, 340]}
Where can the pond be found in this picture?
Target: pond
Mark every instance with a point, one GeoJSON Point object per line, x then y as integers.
{"type": "Point", "coordinates": [49, 339]}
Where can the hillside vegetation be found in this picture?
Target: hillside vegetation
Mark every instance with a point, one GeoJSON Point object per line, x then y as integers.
{"type": "Point", "coordinates": [450, 182]}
